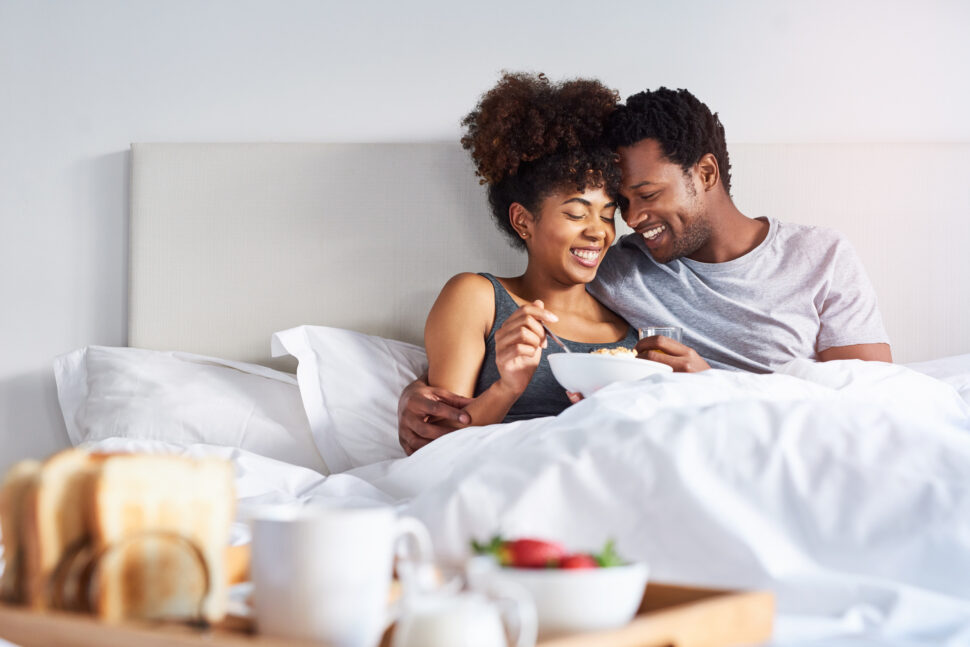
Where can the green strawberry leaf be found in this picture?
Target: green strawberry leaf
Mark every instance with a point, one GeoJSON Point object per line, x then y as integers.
{"type": "Point", "coordinates": [608, 556]}
{"type": "Point", "coordinates": [492, 547]}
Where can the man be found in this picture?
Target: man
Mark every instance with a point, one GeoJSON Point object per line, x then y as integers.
{"type": "Point", "coordinates": [750, 294]}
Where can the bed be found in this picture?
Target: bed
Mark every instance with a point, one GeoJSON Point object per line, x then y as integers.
{"type": "Point", "coordinates": [842, 487]}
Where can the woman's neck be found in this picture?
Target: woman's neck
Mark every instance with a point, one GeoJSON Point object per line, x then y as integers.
{"type": "Point", "coordinates": [557, 297]}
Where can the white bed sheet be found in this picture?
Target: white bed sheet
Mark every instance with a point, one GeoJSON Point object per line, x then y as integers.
{"type": "Point", "coordinates": [844, 487]}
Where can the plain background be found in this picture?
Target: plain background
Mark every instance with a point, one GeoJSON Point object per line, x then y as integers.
{"type": "Point", "coordinates": [81, 80]}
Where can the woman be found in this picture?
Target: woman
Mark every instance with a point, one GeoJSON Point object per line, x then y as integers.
{"type": "Point", "coordinates": [552, 187]}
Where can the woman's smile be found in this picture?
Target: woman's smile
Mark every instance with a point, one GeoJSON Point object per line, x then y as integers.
{"type": "Point", "coordinates": [587, 256]}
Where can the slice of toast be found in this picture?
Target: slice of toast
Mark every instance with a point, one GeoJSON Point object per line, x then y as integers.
{"type": "Point", "coordinates": [153, 576]}
{"type": "Point", "coordinates": [137, 494]}
{"type": "Point", "coordinates": [53, 520]}
{"type": "Point", "coordinates": [18, 481]}
{"type": "Point", "coordinates": [70, 583]}
{"type": "Point", "coordinates": [237, 564]}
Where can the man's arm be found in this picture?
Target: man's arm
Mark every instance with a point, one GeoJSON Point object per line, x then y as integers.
{"type": "Point", "coordinates": [849, 312]}
{"type": "Point", "coordinates": [425, 413]}
{"type": "Point", "coordinates": [868, 352]}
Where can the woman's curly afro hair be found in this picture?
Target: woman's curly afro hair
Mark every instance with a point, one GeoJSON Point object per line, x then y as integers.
{"type": "Point", "coordinates": [685, 128]}
{"type": "Point", "coordinates": [530, 137]}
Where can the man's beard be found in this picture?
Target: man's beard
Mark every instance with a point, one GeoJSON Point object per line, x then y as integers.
{"type": "Point", "coordinates": [695, 236]}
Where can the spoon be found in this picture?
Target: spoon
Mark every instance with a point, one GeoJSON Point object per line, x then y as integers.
{"type": "Point", "coordinates": [556, 339]}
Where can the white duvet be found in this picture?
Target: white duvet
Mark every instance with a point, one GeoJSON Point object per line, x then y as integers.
{"type": "Point", "coordinates": [844, 487]}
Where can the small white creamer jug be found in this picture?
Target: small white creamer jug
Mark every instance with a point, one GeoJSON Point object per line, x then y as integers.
{"type": "Point", "coordinates": [467, 619]}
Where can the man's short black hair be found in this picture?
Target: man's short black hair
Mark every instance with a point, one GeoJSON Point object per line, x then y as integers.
{"type": "Point", "coordinates": [685, 128]}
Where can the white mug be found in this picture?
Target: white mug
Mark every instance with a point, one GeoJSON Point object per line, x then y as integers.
{"type": "Point", "coordinates": [324, 573]}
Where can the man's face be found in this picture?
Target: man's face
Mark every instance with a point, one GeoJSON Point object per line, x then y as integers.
{"type": "Point", "coordinates": [665, 205]}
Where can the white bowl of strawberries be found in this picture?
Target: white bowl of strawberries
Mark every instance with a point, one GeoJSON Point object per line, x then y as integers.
{"type": "Point", "coordinates": [573, 592]}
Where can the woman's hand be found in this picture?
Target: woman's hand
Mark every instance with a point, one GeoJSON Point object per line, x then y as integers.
{"type": "Point", "coordinates": [681, 358]}
{"type": "Point", "coordinates": [519, 343]}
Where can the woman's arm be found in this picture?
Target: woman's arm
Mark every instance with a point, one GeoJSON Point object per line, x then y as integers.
{"type": "Point", "coordinates": [454, 338]}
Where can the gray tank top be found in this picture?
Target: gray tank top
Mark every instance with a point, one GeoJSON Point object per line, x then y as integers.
{"type": "Point", "coordinates": [544, 396]}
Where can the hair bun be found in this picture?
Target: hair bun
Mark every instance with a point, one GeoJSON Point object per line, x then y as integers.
{"type": "Point", "coordinates": [526, 117]}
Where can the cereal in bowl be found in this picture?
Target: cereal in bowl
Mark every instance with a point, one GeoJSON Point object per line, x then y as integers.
{"type": "Point", "coordinates": [617, 351]}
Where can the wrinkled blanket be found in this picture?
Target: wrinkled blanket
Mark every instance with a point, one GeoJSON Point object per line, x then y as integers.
{"type": "Point", "coordinates": [844, 487]}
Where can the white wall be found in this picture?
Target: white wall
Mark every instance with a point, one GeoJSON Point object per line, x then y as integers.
{"type": "Point", "coordinates": [81, 80]}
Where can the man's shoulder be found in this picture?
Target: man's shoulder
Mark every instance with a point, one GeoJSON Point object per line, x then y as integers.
{"type": "Point", "coordinates": [797, 231]}
{"type": "Point", "coordinates": [630, 243]}
{"type": "Point", "coordinates": [624, 262]}
{"type": "Point", "coordinates": [628, 256]}
{"type": "Point", "coordinates": [627, 249]}
{"type": "Point", "coordinates": [801, 236]}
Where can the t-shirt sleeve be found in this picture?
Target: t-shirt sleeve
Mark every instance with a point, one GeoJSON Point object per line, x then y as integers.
{"type": "Point", "coordinates": [848, 312]}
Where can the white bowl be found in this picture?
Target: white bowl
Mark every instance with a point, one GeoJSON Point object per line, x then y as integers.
{"type": "Point", "coordinates": [587, 373]}
{"type": "Point", "coordinates": [573, 601]}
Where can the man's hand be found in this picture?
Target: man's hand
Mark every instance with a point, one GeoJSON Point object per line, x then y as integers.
{"type": "Point", "coordinates": [425, 413]}
{"type": "Point", "coordinates": [681, 358]}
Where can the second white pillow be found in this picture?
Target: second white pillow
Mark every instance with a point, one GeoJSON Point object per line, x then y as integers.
{"type": "Point", "coordinates": [351, 383]}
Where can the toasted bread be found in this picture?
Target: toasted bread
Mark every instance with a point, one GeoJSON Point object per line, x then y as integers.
{"type": "Point", "coordinates": [70, 583]}
{"type": "Point", "coordinates": [16, 484]}
{"type": "Point", "coordinates": [153, 576]}
{"type": "Point", "coordinates": [122, 535]}
{"type": "Point", "coordinates": [54, 518]}
{"type": "Point", "coordinates": [237, 563]}
{"type": "Point", "coordinates": [137, 494]}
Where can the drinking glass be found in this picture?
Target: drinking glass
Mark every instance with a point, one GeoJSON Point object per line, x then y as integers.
{"type": "Point", "coordinates": [673, 332]}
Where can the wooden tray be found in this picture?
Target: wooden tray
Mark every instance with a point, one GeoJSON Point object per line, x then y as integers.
{"type": "Point", "coordinates": [669, 616]}
{"type": "Point", "coordinates": [681, 616]}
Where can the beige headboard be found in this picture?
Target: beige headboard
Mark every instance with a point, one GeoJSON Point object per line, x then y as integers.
{"type": "Point", "coordinates": [232, 242]}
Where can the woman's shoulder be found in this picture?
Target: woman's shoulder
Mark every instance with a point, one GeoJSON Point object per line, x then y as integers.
{"type": "Point", "coordinates": [469, 291]}
{"type": "Point", "coordinates": [468, 283]}
{"type": "Point", "coordinates": [466, 301]}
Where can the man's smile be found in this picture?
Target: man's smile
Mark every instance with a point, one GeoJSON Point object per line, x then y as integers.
{"type": "Point", "coordinates": [653, 232]}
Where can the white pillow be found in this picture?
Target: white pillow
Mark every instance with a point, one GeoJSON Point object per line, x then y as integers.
{"type": "Point", "coordinates": [351, 383]}
{"type": "Point", "coordinates": [183, 399]}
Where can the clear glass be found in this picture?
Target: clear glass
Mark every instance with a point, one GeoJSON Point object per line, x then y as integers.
{"type": "Point", "coordinates": [674, 332]}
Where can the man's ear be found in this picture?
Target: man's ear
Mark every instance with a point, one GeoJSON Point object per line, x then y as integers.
{"type": "Point", "coordinates": [521, 220]}
{"type": "Point", "coordinates": [708, 171]}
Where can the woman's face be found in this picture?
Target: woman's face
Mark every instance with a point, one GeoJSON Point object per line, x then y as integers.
{"type": "Point", "coordinates": [571, 234]}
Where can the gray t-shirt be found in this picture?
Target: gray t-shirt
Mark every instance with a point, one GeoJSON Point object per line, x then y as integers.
{"type": "Point", "coordinates": [801, 291]}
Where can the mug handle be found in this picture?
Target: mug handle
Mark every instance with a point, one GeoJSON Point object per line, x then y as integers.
{"type": "Point", "coordinates": [518, 612]}
{"type": "Point", "coordinates": [409, 527]}
{"type": "Point", "coordinates": [415, 561]}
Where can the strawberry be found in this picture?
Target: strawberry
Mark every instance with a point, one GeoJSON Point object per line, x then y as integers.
{"type": "Point", "coordinates": [531, 553]}
{"type": "Point", "coordinates": [538, 553]}
{"type": "Point", "coordinates": [522, 553]}
{"type": "Point", "coordinates": [578, 560]}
